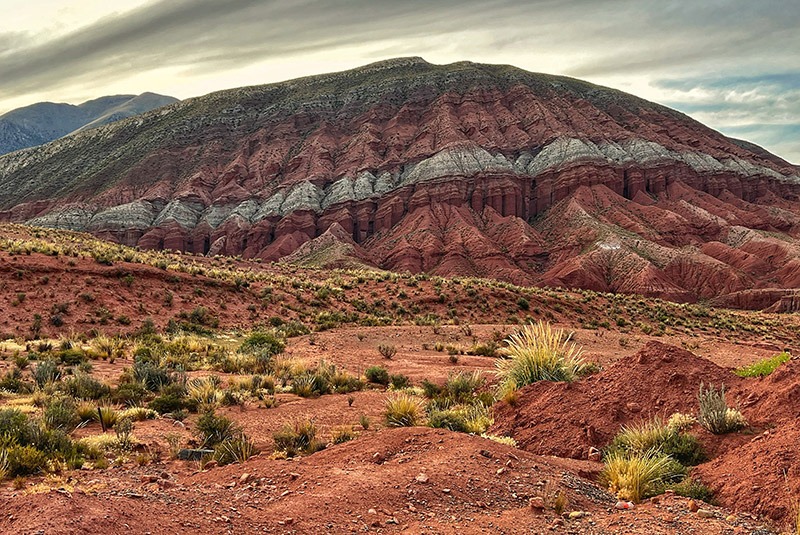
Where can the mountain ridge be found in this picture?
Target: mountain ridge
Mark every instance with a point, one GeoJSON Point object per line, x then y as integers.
{"type": "Point", "coordinates": [383, 150]}
{"type": "Point", "coordinates": [43, 122]}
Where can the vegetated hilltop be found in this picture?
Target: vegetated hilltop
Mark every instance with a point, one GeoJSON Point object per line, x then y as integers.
{"type": "Point", "coordinates": [43, 122]}
{"type": "Point", "coordinates": [462, 169]}
{"type": "Point", "coordinates": [74, 281]}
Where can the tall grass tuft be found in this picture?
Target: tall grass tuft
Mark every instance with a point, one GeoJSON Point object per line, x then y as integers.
{"type": "Point", "coordinates": [403, 410]}
{"type": "Point", "coordinates": [636, 476]}
{"type": "Point", "coordinates": [538, 353]}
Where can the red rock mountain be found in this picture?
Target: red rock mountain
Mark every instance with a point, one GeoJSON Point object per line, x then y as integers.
{"type": "Point", "coordinates": [462, 169]}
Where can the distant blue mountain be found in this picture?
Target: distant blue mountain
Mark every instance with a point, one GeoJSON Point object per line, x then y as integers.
{"type": "Point", "coordinates": [43, 122]}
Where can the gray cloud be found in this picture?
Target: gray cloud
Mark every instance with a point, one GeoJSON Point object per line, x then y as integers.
{"type": "Point", "coordinates": [672, 41]}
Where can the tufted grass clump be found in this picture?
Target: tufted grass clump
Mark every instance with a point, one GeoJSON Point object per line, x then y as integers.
{"type": "Point", "coordinates": [236, 449]}
{"type": "Point", "coordinates": [538, 353]}
{"type": "Point", "coordinates": [297, 437]}
{"type": "Point", "coordinates": [654, 435]}
{"type": "Point", "coordinates": [715, 415]}
{"type": "Point", "coordinates": [638, 476]}
{"type": "Point", "coordinates": [403, 410]}
{"type": "Point", "coordinates": [214, 430]}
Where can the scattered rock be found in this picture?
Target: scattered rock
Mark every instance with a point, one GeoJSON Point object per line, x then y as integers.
{"type": "Point", "coordinates": [705, 513]}
{"type": "Point", "coordinates": [422, 478]}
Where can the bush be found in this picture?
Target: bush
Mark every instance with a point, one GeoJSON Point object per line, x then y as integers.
{"type": "Point", "coordinates": [474, 419]}
{"type": "Point", "coordinates": [342, 434]}
{"type": "Point", "coordinates": [403, 411]}
{"type": "Point", "coordinates": [46, 372]}
{"type": "Point", "coordinates": [764, 367]}
{"type": "Point", "coordinates": [107, 416]}
{"type": "Point", "coordinates": [61, 413]}
{"type": "Point", "coordinates": [129, 394]}
{"type": "Point", "coordinates": [171, 399]}
{"type": "Point", "coordinates": [691, 488]}
{"type": "Point", "coordinates": [214, 430]}
{"type": "Point", "coordinates": [264, 346]}
{"type": "Point", "coordinates": [715, 415]}
{"type": "Point", "coordinates": [204, 392]}
{"type": "Point", "coordinates": [638, 476]}
{"type": "Point", "coordinates": [399, 381]}
{"type": "Point", "coordinates": [387, 351]}
{"type": "Point", "coordinates": [653, 435]}
{"type": "Point", "coordinates": [25, 461]}
{"type": "Point", "coordinates": [237, 449]}
{"type": "Point", "coordinates": [151, 376]}
{"type": "Point", "coordinates": [297, 437]}
{"type": "Point", "coordinates": [3, 464]}
{"type": "Point", "coordinates": [538, 353]}
{"type": "Point", "coordinates": [83, 386]}
{"type": "Point", "coordinates": [377, 374]}
{"type": "Point", "coordinates": [13, 425]}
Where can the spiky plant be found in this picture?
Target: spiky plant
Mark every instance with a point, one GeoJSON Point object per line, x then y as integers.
{"type": "Point", "coordinates": [636, 476]}
{"type": "Point", "coordinates": [538, 353]}
{"type": "Point", "coordinates": [403, 410]}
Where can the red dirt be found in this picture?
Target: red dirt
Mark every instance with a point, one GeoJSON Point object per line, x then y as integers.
{"type": "Point", "coordinates": [412, 480]}
{"type": "Point", "coordinates": [565, 419]}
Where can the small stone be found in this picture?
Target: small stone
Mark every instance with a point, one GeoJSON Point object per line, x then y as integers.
{"type": "Point", "coordinates": [209, 465]}
{"type": "Point", "coordinates": [244, 478]}
{"type": "Point", "coordinates": [692, 506]}
{"type": "Point", "coordinates": [486, 453]}
{"type": "Point", "coordinates": [574, 515]}
{"type": "Point", "coordinates": [537, 502]}
{"type": "Point", "coordinates": [293, 475]}
{"type": "Point", "coordinates": [655, 499]}
{"type": "Point", "coordinates": [288, 521]}
{"type": "Point", "coordinates": [500, 471]}
{"type": "Point", "coordinates": [422, 478]}
{"type": "Point", "coordinates": [149, 479]}
{"type": "Point", "coordinates": [623, 505]}
{"type": "Point", "coordinates": [446, 491]}
{"type": "Point", "coordinates": [558, 521]}
{"type": "Point", "coordinates": [730, 519]}
{"type": "Point", "coordinates": [705, 513]}
{"type": "Point", "coordinates": [372, 511]}
{"type": "Point", "coordinates": [633, 407]}
{"type": "Point", "coordinates": [594, 455]}
{"type": "Point", "coordinates": [378, 458]}
{"type": "Point", "coordinates": [392, 520]}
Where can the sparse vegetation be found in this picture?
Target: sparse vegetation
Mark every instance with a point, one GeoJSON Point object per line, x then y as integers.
{"type": "Point", "coordinates": [715, 415]}
{"type": "Point", "coordinates": [763, 367]}
{"type": "Point", "coordinates": [538, 353]}
{"type": "Point", "coordinates": [403, 410]}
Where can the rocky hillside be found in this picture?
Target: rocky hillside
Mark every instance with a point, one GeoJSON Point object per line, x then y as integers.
{"type": "Point", "coordinates": [43, 122]}
{"type": "Point", "coordinates": [468, 169]}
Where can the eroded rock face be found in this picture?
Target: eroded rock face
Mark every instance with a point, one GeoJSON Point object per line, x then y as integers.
{"type": "Point", "coordinates": [456, 170]}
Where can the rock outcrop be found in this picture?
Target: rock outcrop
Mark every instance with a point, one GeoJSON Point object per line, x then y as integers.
{"type": "Point", "coordinates": [462, 169]}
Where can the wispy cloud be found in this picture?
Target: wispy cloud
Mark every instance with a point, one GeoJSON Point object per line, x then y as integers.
{"type": "Point", "coordinates": [686, 54]}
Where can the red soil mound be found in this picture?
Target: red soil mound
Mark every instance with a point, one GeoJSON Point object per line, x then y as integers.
{"type": "Point", "coordinates": [762, 476]}
{"type": "Point", "coordinates": [565, 419]}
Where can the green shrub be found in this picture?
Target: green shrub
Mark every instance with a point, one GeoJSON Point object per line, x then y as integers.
{"type": "Point", "coordinates": [61, 413]}
{"type": "Point", "coordinates": [715, 415]}
{"type": "Point", "coordinates": [129, 394]}
{"type": "Point", "coordinates": [172, 399]}
{"type": "Point", "coordinates": [13, 425]}
{"type": "Point", "coordinates": [83, 386]}
{"type": "Point", "coordinates": [213, 430]}
{"type": "Point", "coordinates": [399, 381]}
{"type": "Point", "coordinates": [653, 435]}
{"type": "Point", "coordinates": [297, 437]}
{"type": "Point", "coordinates": [264, 346]}
{"type": "Point", "coordinates": [71, 357]}
{"type": "Point", "coordinates": [377, 374]}
{"type": "Point", "coordinates": [691, 488]}
{"type": "Point", "coordinates": [25, 461]}
{"type": "Point", "coordinates": [152, 376]}
{"type": "Point", "coordinates": [763, 367]}
{"type": "Point", "coordinates": [46, 372]}
{"type": "Point", "coordinates": [236, 449]}
{"type": "Point", "coordinates": [538, 353]}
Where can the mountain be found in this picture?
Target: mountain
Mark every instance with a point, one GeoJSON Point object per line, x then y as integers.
{"type": "Point", "coordinates": [41, 123]}
{"type": "Point", "coordinates": [461, 169]}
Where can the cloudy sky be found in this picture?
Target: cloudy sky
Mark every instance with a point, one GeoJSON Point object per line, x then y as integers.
{"type": "Point", "coordinates": [732, 64]}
